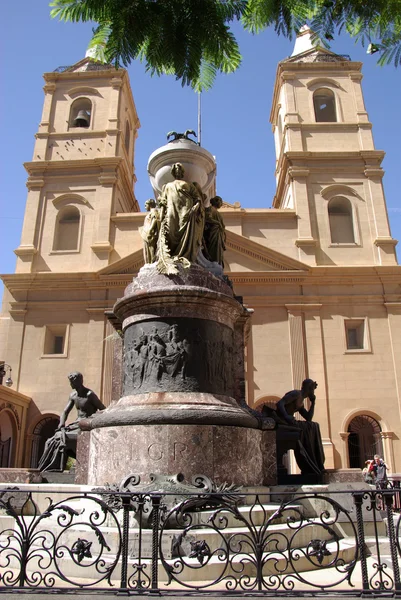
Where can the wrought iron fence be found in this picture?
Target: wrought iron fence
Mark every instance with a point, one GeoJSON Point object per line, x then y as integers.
{"type": "Point", "coordinates": [206, 542]}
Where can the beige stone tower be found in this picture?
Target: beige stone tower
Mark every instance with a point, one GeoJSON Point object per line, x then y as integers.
{"type": "Point", "coordinates": [327, 167]}
{"type": "Point", "coordinates": [82, 170]}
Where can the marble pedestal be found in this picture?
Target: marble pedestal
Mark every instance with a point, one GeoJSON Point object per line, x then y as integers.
{"type": "Point", "coordinates": [237, 455]}
{"type": "Point", "coordinates": [182, 405]}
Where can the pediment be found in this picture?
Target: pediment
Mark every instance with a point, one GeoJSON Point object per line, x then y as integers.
{"type": "Point", "coordinates": [241, 255]}
{"type": "Point", "coordinates": [129, 265]}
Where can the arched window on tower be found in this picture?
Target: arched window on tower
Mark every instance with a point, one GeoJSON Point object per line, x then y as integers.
{"type": "Point", "coordinates": [127, 137]}
{"type": "Point", "coordinates": [341, 221]}
{"type": "Point", "coordinates": [66, 236]}
{"type": "Point", "coordinates": [325, 106]}
{"type": "Point", "coordinates": [80, 113]}
{"type": "Point", "coordinates": [364, 440]}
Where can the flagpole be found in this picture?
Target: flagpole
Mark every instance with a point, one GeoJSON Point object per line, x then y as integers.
{"type": "Point", "coordinates": [199, 119]}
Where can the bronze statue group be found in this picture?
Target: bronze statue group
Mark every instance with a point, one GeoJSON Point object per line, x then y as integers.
{"type": "Point", "coordinates": [181, 224]}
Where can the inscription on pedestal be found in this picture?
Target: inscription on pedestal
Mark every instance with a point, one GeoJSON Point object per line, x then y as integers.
{"type": "Point", "coordinates": [155, 451]}
{"type": "Point", "coordinates": [179, 450]}
{"type": "Point", "coordinates": [189, 355]}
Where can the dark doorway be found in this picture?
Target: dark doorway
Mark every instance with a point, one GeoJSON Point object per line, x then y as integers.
{"type": "Point", "coordinates": [364, 440]}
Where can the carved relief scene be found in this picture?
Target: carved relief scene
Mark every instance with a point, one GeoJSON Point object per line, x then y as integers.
{"type": "Point", "coordinates": [192, 355]}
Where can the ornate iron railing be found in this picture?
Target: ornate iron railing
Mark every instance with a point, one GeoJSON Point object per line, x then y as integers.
{"type": "Point", "coordinates": [342, 542]}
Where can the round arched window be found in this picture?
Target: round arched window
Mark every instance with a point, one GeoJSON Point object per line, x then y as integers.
{"type": "Point", "coordinates": [80, 113]}
{"type": "Point", "coordinates": [67, 229]}
{"type": "Point", "coordinates": [325, 106]}
{"type": "Point", "coordinates": [341, 221]}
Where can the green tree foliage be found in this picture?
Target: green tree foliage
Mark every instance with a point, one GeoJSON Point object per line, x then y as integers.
{"type": "Point", "coordinates": [192, 40]}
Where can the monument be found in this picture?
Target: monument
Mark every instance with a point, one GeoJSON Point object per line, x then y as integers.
{"type": "Point", "coordinates": [182, 404]}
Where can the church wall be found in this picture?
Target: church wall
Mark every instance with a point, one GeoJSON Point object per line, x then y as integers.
{"type": "Point", "coordinates": [126, 236]}
{"type": "Point", "coordinates": [56, 195]}
{"type": "Point", "coordinates": [339, 134]}
{"type": "Point", "coordinates": [98, 91]}
{"type": "Point", "coordinates": [338, 82]}
{"type": "Point", "coordinates": [273, 232]}
{"type": "Point", "coordinates": [271, 353]}
{"type": "Point", "coordinates": [350, 382]}
{"type": "Point", "coordinates": [45, 377]}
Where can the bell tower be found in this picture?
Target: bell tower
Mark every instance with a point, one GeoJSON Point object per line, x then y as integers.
{"type": "Point", "coordinates": [82, 170]}
{"type": "Point", "coordinates": [327, 167]}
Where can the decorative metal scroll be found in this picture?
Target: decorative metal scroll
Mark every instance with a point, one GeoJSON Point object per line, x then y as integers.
{"type": "Point", "coordinates": [132, 538]}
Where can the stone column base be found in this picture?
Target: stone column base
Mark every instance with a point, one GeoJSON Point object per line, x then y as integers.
{"type": "Point", "coordinates": [238, 455]}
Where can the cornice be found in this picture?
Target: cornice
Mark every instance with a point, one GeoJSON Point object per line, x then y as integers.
{"type": "Point", "coordinates": [383, 242]}
{"type": "Point", "coordinates": [296, 302]}
{"type": "Point", "coordinates": [28, 250]}
{"type": "Point", "coordinates": [340, 125]}
{"type": "Point", "coordinates": [72, 135]}
{"type": "Point", "coordinates": [10, 395]}
{"type": "Point", "coordinates": [311, 276]}
{"type": "Point", "coordinates": [131, 217]}
{"type": "Point", "coordinates": [244, 214]}
{"type": "Point", "coordinates": [101, 74]}
{"type": "Point", "coordinates": [43, 166]}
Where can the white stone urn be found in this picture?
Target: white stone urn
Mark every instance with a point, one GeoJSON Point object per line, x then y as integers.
{"type": "Point", "coordinates": [199, 165]}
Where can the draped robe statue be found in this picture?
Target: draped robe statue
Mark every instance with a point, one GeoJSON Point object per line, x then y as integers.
{"type": "Point", "coordinates": [64, 441]}
{"type": "Point", "coordinates": [215, 231]}
{"type": "Point", "coordinates": [150, 231]}
{"type": "Point", "coordinates": [182, 219]}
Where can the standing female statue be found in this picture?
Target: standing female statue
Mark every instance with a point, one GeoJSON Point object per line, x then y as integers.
{"type": "Point", "coordinates": [150, 231]}
{"type": "Point", "coordinates": [182, 219]}
{"type": "Point", "coordinates": [215, 231]}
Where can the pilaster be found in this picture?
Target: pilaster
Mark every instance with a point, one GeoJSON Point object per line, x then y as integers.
{"type": "Point", "coordinates": [387, 441]}
{"type": "Point", "coordinates": [307, 357]}
{"type": "Point", "coordinates": [394, 324]}
{"type": "Point", "coordinates": [15, 342]}
{"type": "Point", "coordinates": [344, 435]}
{"type": "Point", "coordinates": [30, 229]}
{"type": "Point", "coordinates": [95, 359]}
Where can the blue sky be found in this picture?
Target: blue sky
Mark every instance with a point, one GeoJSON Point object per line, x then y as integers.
{"type": "Point", "coordinates": [235, 113]}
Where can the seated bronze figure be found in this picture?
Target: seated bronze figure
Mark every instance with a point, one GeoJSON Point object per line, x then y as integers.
{"type": "Point", "coordinates": [302, 436]}
{"type": "Point", "coordinates": [64, 442]}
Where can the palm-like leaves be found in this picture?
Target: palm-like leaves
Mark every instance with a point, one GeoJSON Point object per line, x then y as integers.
{"type": "Point", "coordinates": [192, 39]}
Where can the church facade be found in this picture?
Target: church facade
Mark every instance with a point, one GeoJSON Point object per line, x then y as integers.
{"type": "Point", "coordinates": [318, 269]}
